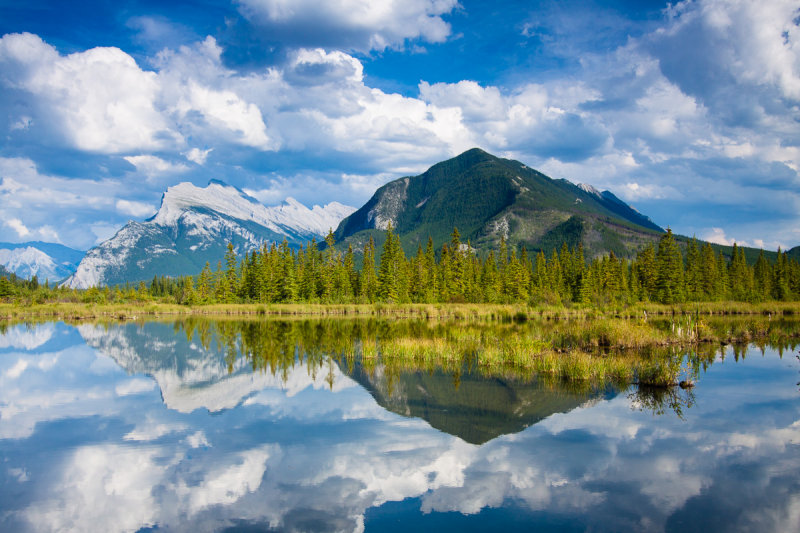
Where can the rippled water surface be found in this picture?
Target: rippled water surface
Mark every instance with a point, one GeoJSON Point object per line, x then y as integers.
{"type": "Point", "coordinates": [188, 427]}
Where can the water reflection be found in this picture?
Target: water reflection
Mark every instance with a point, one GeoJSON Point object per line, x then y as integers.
{"type": "Point", "coordinates": [660, 400]}
{"type": "Point", "coordinates": [123, 427]}
{"type": "Point", "coordinates": [211, 366]}
{"type": "Point", "coordinates": [480, 408]}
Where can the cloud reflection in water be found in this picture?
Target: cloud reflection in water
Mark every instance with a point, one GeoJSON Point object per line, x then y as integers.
{"type": "Point", "coordinates": [88, 445]}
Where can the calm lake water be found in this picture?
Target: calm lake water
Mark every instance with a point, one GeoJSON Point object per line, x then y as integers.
{"type": "Point", "coordinates": [161, 426]}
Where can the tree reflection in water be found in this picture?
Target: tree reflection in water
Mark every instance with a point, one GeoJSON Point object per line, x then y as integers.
{"type": "Point", "coordinates": [412, 383]}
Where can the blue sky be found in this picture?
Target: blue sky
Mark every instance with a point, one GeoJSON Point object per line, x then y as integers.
{"type": "Point", "coordinates": [690, 112]}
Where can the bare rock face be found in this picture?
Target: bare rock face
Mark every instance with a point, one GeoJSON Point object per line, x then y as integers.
{"type": "Point", "coordinates": [390, 204]}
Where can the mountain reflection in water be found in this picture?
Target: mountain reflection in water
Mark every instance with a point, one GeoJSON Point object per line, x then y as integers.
{"type": "Point", "coordinates": [480, 408]}
{"type": "Point", "coordinates": [282, 426]}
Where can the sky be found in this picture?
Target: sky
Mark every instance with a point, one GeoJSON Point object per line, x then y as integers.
{"type": "Point", "coordinates": [689, 111]}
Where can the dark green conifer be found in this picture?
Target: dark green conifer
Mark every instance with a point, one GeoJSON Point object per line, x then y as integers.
{"type": "Point", "coordinates": [669, 270]}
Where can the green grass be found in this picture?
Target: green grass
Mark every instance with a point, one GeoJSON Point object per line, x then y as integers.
{"type": "Point", "coordinates": [492, 312]}
{"type": "Point", "coordinates": [577, 345]}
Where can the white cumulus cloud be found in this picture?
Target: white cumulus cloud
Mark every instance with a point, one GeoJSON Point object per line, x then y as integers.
{"type": "Point", "coordinates": [196, 155]}
{"type": "Point", "coordinates": [151, 165]}
{"type": "Point", "coordinates": [136, 209]}
{"type": "Point", "coordinates": [17, 225]}
{"type": "Point", "coordinates": [352, 24]}
{"type": "Point", "coordinates": [718, 236]}
{"type": "Point", "coordinates": [227, 111]}
{"type": "Point", "coordinates": [100, 99]}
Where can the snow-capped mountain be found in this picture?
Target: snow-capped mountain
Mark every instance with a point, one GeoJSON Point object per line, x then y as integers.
{"type": "Point", "coordinates": [194, 225]}
{"type": "Point", "coordinates": [289, 218]}
{"type": "Point", "coordinates": [45, 260]}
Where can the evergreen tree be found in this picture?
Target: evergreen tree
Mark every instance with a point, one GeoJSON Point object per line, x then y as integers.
{"type": "Point", "coordinates": [189, 295]}
{"type": "Point", "coordinates": [431, 287]}
{"type": "Point", "coordinates": [694, 276]}
{"type": "Point", "coordinates": [350, 281]}
{"type": "Point", "coordinates": [489, 279]}
{"type": "Point", "coordinates": [780, 284]}
{"type": "Point", "coordinates": [445, 274]}
{"type": "Point", "coordinates": [763, 278]}
{"type": "Point", "coordinates": [647, 272]}
{"type": "Point", "coordinates": [392, 282]}
{"type": "Point", "coordinates": [288, 290]}
{"type": "Point", "coordinates": [204, 284]}
{"type": "Point", "coordinates": [416, 281]}
{"type": "Point", "coordinates": [369, 282]}
{"type": "Point", "coordinates": [541, 282]}
{"type": "Point", "coordinates": [526, 273]}
{"type": "Point", "coordinates": [229, 288]}
{"type": "Point", "coordinates": [6, 288]}
{"type": "Point", "coordinates": [271, 275]}
{"type": "Point", "coordinates": [722, 287]}
{"type": "Point", "coordinates": [669, 270]}
{"type": "Point", "coordinates": [792, 278]}
{"type": "Point", "coordinates": [579, 270]}
{"type": "Point", "coordinates": [590, 282]}
{"type": "Point", "coordinates": [740, 276]}
{"type": "Point", "coordinates": [310, 272]}
{"type": "Point", "coordinates": [328, 274]}
{"type": "Point", "coordinates": [515, 279]}
{"type": "Point", "coordinates": [709, 277]}
{"type": "Point", "coordinates": [455, 283]}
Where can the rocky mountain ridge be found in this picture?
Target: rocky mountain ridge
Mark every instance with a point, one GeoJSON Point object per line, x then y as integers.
{"type": "Point", "coordinates": [194, 225]}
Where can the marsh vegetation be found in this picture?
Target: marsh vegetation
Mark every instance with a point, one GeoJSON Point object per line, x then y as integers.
{"type": "Point", "coordinates": [658, 352]}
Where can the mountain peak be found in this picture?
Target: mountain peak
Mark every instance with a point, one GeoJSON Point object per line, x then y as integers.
{"type": "Point", "coordinates": [292, 202]}
{"type": "Point", "coordinates": [194, 225]}
{"type": "Point", "coordinates": [216, 196]}
{"type": "Point", "coordinates": [470, 158]}
{"type": "Point", "coordinates": [585, 187]}
{"type": "Point", "coordinates": [475, 153]}
{"type": "Point", "coordinates": [488, 198]}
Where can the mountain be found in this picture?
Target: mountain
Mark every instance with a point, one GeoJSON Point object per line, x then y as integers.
{"type": "Point", "coordinates": [487, 197]}
{"type": "Point", "coordinates": [45, 260]}
{"type": "Point", "coordinates": [794, 253]}
{"type": "Point", "coordinates": [479, 409]}
{"type": "Point", "coordinates": [194, 225]}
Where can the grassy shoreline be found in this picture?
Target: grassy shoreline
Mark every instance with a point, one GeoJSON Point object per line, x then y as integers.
{"type": "Point", "coordinates": [427, 311]}
{"type": "Point", "coordinates": [638, 344]}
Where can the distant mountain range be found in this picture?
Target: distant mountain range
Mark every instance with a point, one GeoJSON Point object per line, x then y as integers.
{"type": "Point", "coordinates": [487, 198]}
{"type": "Point", "coordinates": [193, 226]}
{"type": "Point", "coordinates": [45, 260]}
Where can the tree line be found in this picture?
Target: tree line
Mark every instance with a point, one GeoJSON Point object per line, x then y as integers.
{"type": "Point", "coordinates": [659, 273]}
{"type": "Point", "coordinates": [277, 273]}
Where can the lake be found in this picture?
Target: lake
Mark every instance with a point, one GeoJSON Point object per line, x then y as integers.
{"type": "Point", "coordinates": [202, 425]}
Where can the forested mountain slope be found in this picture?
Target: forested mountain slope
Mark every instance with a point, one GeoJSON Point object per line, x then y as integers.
{"type": "Point", "coordinates": [488, 198]}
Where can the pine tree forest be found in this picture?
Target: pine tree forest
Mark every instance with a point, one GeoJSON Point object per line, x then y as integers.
{"type": "Point", "coordinates": [662, 273]}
